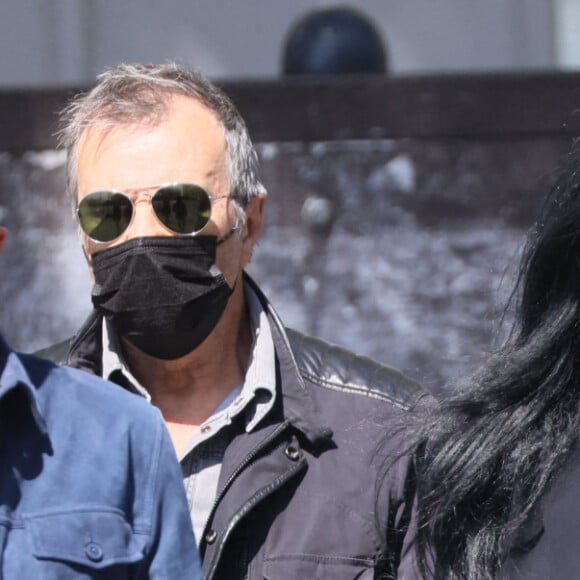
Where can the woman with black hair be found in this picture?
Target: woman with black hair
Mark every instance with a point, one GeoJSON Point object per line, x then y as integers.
{"type": "Point", "coordinates": [498, 468]}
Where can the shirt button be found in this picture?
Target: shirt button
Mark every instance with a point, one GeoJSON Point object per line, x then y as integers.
{"type": "Point", "coordinates": [210, 536]}
{"type": "Point", "coordinates": [206, 429]}
{"type": "Point", "coordinates": [292, 453]}
{"type": "Point", "coordinates": [94, 552]}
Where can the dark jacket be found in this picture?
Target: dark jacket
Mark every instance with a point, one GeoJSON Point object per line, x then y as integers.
{"type": "Point", "coordinates": [303, 495]}
{"type": "Point", "coordinates": [90, 486]}
{"type": "Point", "coordinates": [546, 547]}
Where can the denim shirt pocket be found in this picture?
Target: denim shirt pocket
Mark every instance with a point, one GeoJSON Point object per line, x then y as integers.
{"type": "Point", "coordinates": [85, 542]}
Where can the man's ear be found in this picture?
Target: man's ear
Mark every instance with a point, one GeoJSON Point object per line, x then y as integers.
{"type": "Point", "coordinates": [253, 226]}
{"type": "Point", "coordinates": [3, 236]}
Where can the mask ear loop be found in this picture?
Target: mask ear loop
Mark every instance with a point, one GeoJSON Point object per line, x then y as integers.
{"type": "Point", "coordinates": [240, 221]}
{"type": "Point", "coordinates": [232, 231]}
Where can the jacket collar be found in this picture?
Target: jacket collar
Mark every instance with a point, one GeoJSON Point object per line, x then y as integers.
{"type": "Point", "coordinates": [299, 408]}
{"type": "Point", "coordinates": [86, 348]}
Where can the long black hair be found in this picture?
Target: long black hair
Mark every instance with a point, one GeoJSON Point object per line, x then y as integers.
{"type": "Point", "coordinates": [493, 448]}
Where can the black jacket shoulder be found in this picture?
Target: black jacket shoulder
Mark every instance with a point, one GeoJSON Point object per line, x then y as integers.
{"type": "Point", "coordinates": [334, 367]}
{"type": "Point", "coordinates": [56, 353]}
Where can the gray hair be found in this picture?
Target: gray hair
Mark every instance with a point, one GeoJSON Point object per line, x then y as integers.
{"type": "Point", "coordinates": [137, 93]}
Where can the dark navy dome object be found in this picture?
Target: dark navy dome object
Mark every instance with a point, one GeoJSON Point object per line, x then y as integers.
{"type": "Point", "coordinates": [334, 41]}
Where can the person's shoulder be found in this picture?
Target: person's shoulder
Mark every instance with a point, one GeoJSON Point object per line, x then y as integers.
{"type": "Point", "coordinates": [333, 367]}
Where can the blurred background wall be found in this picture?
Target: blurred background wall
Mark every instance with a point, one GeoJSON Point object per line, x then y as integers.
{"type": "Point", "coordinates": [398, 202]}
{"type": "Point", "coordinates": [47, 42]}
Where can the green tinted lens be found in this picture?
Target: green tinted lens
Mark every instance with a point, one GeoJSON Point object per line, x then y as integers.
{"type": "Point", "coordinates": [105, 215]}
{"type": "Point", "coordinates": [183, 208]}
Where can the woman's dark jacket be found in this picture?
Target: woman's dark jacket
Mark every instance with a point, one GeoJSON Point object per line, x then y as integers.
{"type": "Point", "coordinates": [548, 545]}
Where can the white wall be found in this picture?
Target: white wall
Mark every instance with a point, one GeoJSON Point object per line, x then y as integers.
{"type": "Point", "coordinates": [567, 26]}
{"type": "Point", "coordinates": [55, 42]}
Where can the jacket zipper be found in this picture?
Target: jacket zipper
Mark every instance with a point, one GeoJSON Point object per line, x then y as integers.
{"type": "Point", "coordinates": [246, 508]}
{"type": "Point", "coordinates": [247, 459]}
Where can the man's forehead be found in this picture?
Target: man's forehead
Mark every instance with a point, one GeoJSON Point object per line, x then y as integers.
{"type": "Point", "coordinates": [191, 124]}
{"type": "Point", "coordinates": [177, 110]}
{"type": "Point", "coordinates": [187, 145]}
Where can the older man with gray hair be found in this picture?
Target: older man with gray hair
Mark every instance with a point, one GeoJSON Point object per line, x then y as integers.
{"type": "Point", "coordinates": [277, 432]}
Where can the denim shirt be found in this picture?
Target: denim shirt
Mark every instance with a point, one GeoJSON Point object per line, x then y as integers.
{"type": "Point", "coordinates": [90, 486]}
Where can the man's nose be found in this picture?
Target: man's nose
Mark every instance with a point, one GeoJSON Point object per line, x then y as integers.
{"type": "Point", "coordinates": [145, 222]}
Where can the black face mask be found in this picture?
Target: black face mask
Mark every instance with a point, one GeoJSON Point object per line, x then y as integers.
{"type": "Point", "coordinates": [164, 294]}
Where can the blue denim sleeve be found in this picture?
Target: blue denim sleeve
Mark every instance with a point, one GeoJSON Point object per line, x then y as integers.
{"type": "Point", "coordinates": [174, 554]}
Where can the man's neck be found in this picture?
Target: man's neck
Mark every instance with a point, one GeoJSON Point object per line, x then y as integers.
{"type": "Point", "coordinates": [189, 389]}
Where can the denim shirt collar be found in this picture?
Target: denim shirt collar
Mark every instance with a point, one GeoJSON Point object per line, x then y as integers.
{"type": "Point", "coordinates": [13, 376]}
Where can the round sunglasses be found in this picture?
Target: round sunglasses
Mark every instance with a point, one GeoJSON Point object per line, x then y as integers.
{"type": "Point", "coordinates": [183, 208]}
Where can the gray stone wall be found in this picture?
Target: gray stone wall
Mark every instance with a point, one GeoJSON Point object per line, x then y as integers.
{"type": "Point", "coordinates": [402, 250]}
{"type": "Point", "coordinates": [417, 257]}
